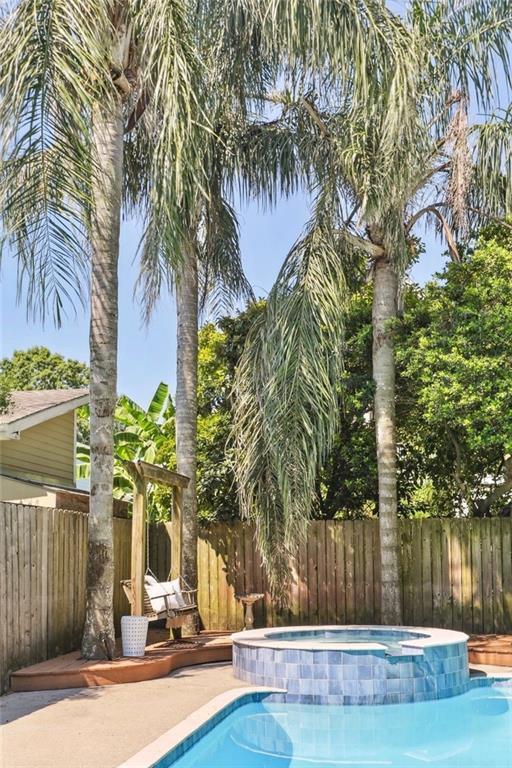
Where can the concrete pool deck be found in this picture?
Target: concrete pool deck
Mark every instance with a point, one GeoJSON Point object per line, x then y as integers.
{"type": "Point", "coordinates": [102, 727]}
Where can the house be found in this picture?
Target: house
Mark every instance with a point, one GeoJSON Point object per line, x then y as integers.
{"type": "Point", "coordinates": [38, 447]}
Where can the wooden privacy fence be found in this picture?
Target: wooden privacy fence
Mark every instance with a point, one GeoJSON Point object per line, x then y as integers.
{"type": "Point", "coordinates": [42, 582]}
{"type": "Point", "coordinates": [456, 573]}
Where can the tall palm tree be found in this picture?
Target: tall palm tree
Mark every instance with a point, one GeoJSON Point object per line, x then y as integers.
{"type": "Point", "coordinates": [372, 180]}
{"type": "Point", "coordinates": [245, 48]}
{"type": "Point", "coordinates": [75, 77]}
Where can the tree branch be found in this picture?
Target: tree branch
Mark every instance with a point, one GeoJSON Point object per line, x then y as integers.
{"type": "Point", "coordinates": [450, 240]}
{"type": "Point", "coordinates": [121, 81]}
{"type": "Point", "coordinates": [437, 169]}
{"type": "Point", "coordinates": [482, 212]}
{"type": "Point", "coordinates": [374, 250]}
{"type": "Point", "coordinates": [499, 490]}
{"type": "Point", "coordinates": [137, 112]}
{"type": "Point", "coordinates": [316, 118]}
{"type": "Point", "coordinates": [463, 486]}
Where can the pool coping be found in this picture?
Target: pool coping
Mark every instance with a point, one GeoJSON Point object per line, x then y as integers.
{"type": "Point", "coordinates": [431, 638]}
{"type": "Point", "coordinates": [192, 724]}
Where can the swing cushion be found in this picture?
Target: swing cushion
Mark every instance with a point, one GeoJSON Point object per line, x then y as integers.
{"type": "Point", "coordinates": [156, 591]}
{"type": "Point", "coordinates": [174, 588]}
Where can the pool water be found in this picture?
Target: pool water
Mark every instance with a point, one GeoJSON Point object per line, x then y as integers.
{"type": "Point", "coordinates": [389, 638]}
{"type": "Point", "coordinates": [473, 730]}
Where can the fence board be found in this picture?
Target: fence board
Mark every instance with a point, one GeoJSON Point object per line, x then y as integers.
{"type": "Point", "coordinates": [203, 593]}
{"type": "Point", "coordinates": [376, 571]}
{"type": "Point", "coordinates": [456, 572]}
{"type": "Point", "coordinates": [416, 572]}
{"type": "Point", "coordinates": [487, 596]}
{"type": "Point", "coordinates": [312, 545]}
{"type": "Point", "coordinates": [331, 572]}
{"type": "Point", "coordinates": [497, 578]}
{"type": "Point", "coordinates": [348, 530]}
{"type": "Point", "coordinates": [467, 576]}
{"type": "Point", "coordinates": [321, 572]}
{"type": "Point", "coordinates": [369, 577]}
{"type": "Point", "coordinates": [359, 575]}
{"type": "Point", "coordinates": [341, 583]}
{"type": "Point", "coordinates": [506, 542]}
{"type": "Point", "coordinates": [476, 575]}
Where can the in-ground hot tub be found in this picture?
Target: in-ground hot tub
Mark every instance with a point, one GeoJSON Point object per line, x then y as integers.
{"type": "Point", "coordinates": [354, 664]}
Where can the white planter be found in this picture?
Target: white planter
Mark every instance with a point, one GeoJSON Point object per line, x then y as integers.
{"type": "Point", "coordinates": [134, 632]}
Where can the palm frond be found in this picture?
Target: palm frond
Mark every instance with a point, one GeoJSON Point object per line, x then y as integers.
{"type": "Point", "coordinates": [465, 45]}
{"type": "Point", "coordinates": [265, 161]}
{"type": "Point", "coordinates": [156, 266]}
{"type": "Point", "coordinates": [170, 69]}
{"type": "Point", "coordinates": [286, 404]}
{"type": "Point", "coordinates": [492, 168]}
{"type": "Point", "coordinates": [53, 67]}
{"type": "Point", "coordinates": [222, 278]}
{"type": "Point", "coordinates": [348, 41]}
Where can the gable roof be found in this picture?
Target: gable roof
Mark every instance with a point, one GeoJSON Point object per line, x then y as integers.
{"type": "Point", "coordinates": [26, 409]}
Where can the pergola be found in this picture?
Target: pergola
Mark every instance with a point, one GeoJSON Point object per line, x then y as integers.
{"type": "Point", "coordinates": [143, 473]}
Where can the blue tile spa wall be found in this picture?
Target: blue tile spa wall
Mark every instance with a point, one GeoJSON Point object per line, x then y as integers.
{"type": "Point", "coordinates": [355, 677]}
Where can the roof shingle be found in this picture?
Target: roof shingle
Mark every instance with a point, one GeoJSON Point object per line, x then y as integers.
{"type": "Point", "coordinates": [28, 403]}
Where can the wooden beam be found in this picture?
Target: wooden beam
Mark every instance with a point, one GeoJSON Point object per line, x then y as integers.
{"type": "Point", "coordinates": [157, 474]}
{"type": "Point", "coordinates": [138, 545]}
{"type": "Point", "coordinates": [175, 532]}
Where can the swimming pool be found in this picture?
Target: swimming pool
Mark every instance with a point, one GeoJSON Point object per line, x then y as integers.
{"type": "Point", "coordinates": [468, 731]}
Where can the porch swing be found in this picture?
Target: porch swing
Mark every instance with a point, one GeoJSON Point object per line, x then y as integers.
{"type": "Point", "coordinates": [172, 600]}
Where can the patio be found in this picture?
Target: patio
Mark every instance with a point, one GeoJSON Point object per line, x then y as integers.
{"type": "Point", "coordinates": [118, 720]}
{"type": "Point", "coordinates": [162, 657]}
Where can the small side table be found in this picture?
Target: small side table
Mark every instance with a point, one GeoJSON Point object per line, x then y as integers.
{"type": "Point", "coordinates": [248, 601]}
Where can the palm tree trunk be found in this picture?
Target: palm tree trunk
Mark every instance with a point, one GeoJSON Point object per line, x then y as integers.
{"type": "Point", "coordinates": [186, 407]}
{"type": "Point", "coordinates": [384, 313]}
{"type": "Point", "coordinates": [98, 636]}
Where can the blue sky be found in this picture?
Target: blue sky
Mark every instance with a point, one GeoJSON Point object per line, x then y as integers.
{"type": "Point", "coordinates": [148, 355]}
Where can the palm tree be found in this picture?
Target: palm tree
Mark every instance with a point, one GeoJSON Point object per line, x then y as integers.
{"type": "Point", "coordinates": [75, 76]}
{"type": "Point", "coordinates": [244, 53]}
{"type": "Point", "coordinates": [372, 179]}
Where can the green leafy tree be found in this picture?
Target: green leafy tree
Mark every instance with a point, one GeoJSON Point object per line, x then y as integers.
{"type": "Point", "coordinates": [39, 368]}
{"type": "Point", "coordinates": [5, 397]}
{"type": "Point", "coordinates": [220, 347]}
{"type": "Point", "coordinates": [433, 320]}
{"type": "Point", "coordinates": [455, 358]}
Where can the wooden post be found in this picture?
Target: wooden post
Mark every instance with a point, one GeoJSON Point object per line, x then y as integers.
{"type": "Point", "coordinates": [176, 523]}
{"type": "Point", "coordinates": [138, 545]}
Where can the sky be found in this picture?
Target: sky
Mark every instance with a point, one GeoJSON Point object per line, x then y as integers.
{"type": "Point", "coordinates": [148, 355]}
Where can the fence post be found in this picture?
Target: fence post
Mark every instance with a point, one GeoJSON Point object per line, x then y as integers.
{"type": "Point", "coordinates": [138, 545]}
